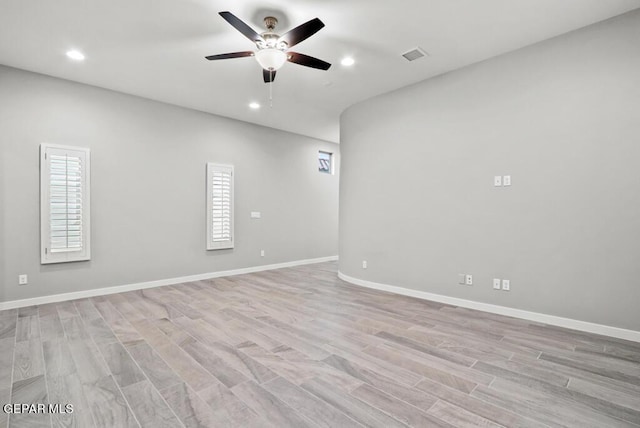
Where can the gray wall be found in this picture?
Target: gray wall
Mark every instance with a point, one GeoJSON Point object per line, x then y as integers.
{"type": "Point", "coordinates": [148, 187]}
{"type": "Point", "coordinates": [2, 209]}
{"type": "Point", "coordinates": [562, 118]}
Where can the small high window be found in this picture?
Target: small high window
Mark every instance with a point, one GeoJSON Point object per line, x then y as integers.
{"type": "Point", "coordinates": [325, 162]}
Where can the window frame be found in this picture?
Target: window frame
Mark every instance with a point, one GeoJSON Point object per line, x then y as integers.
{"type": "Point", "coordinates": [331, 162]}
{"type": "Point", "coordinates": [211, 244]}
{"type": "Point", "coordinates": [46, 255]}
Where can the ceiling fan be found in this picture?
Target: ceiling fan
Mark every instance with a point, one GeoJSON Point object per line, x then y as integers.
{"type": "Point", "coordinates": [272, 49]}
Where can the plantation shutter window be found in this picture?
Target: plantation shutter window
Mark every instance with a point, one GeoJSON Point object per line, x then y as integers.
{"type": "Point", "coordinates": [64, 204]}
{"type": "Point", "coordinates": [325, 162]}
{"type": "Point", "coordinates": [219, 206]}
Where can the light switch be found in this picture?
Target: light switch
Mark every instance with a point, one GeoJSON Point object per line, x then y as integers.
{"type": "Point", "coordinates": [497, 180]}
{"type": "Point", "coordinates": [496, 283]}
{"type": "Point", "coordinates": [255, 214]}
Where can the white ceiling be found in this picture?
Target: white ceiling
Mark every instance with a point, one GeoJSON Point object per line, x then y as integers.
{"type": "Point", "coordinates": [156, 48]}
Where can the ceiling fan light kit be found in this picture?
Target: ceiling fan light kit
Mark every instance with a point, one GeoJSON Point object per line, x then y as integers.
{"type": "Point", "coordinates": [271, 59]}
{"type": "Point", "coordinates": [272, 49]}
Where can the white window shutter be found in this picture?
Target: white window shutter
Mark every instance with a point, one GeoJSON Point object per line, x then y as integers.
{"type": "Point", "coordinates": [325, 162]}
{"type": "Point", "coordinates": [219, 206]}
{"type": "Point", "coordinates": [64, 204]}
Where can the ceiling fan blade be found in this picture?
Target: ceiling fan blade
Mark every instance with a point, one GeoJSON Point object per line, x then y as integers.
{"type": "Point", "coordinates": [239, 25]}
{"type": "Point", "coordinates": [302, 32]}
{"type": "Point", "coordinates": [268, 75]}
{"type": "Point", "coordinates": [230, 55]}
{"type": "Point", "coordinates": [307, 61]}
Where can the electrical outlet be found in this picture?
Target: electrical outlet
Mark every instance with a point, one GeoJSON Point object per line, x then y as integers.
{"type": "Point", "coordinates": [22, 279]}
{"type": "Point", "coordinates": [497, 180]}
{"type": "Point", "coordinates": [462, 278]}
{"type": "Point", "coordinates": [506, 284]}
{"type": "Point", "coordinates": [261, 253]}
{"type": "Point", "coordinates": [469, 280]}
{"type": "Point", "coordinates": [364, 264]}
{"type": "Point", "coordinates": [496, 283]}
{"type": "Point", "coordinates": [506, 180]}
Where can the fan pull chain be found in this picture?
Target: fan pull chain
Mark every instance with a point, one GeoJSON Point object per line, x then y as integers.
{"type": "Point", "coordinates": [271, 90]}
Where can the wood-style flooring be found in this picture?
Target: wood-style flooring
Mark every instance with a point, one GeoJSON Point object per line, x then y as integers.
{"type": "Point", "coordinates": [298, 347]}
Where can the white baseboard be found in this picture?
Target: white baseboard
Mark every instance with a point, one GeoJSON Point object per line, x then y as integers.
{"type": "Point", "coordinates": [605, 330]}
{"type": "Point", "coordinates": [151, 284]}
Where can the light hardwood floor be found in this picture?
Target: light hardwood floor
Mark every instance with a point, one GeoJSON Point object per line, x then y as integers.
{"type": "Point", "coordinates": [298, 347]}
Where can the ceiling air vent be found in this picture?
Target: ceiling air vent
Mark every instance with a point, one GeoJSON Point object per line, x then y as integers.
{"type": "Point", "coordinates": [414, 54]}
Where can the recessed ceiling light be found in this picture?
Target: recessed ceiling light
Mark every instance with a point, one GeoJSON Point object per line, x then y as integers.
{"type": "Point", "coordinates": [254, 106]}
{"type": "Point", "coordinates": [75, 55]}
{"type": "Point", "coordinates": [347, 61]}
